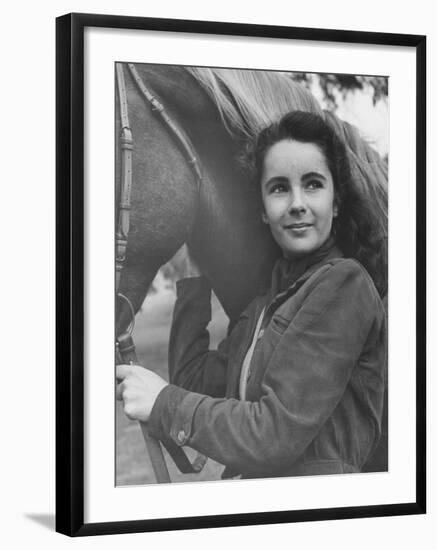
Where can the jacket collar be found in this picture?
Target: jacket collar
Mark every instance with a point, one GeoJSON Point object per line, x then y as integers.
{"type": "Point", "coordinates": [289, 274]}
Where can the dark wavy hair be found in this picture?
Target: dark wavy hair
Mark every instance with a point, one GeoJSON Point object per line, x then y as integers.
{"type": "Point", "coordinates": [360, 229]}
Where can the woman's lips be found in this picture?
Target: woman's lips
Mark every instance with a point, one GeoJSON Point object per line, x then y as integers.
{"type": "Point", "coordinates": [298, 227]}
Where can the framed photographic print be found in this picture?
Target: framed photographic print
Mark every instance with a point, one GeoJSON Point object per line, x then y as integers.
{"type": "Point", "coordinates": [232, 215]}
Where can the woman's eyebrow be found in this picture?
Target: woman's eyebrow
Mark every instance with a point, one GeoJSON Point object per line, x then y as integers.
{"type": "Point", "coordinates": [309, 175]}
{"type": "Point", "coordinates": [275, 179]}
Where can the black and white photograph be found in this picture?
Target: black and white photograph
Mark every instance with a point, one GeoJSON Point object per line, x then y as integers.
{"type": "Point", "coordinates": [240, 269]}
{"type": "Point", "coordinates": [251, 273]}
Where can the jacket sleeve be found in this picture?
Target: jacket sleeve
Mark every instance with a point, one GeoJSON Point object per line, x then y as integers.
{"type": "Point", "coordinates": [192, 365]}
{"type": "Point", "coordinates": [304, 381]}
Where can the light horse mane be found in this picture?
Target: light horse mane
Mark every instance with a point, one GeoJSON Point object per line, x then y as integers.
{"type": "Point", "coordinates": [250, 100]}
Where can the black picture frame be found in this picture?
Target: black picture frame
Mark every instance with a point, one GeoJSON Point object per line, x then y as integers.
{"type": "Point", "coordinates": [70, 273]}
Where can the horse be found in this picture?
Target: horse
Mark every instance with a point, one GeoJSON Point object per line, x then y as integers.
{"type": "Point", "coordinates": [220, 111]}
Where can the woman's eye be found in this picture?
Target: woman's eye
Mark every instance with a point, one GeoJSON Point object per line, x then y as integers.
{"type": "Point", "coordinates": [278, 188]}
{"type": "Point", "coordinates": [314, 184]}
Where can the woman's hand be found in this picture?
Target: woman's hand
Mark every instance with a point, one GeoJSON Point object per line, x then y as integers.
{"type": "Point", "coordinates": [138, 389]}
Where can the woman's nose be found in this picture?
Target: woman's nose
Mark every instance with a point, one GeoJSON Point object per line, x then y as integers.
{"type": "Point", "coordinates": [297, 203]}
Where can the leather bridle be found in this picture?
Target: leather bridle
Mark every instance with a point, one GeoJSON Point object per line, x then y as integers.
{"type": "Point", "coordinates": [181, 140]}
{"type": "Point", "coordinates": [125, 347]}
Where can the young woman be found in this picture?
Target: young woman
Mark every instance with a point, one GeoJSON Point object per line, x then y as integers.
{"type": "Point", "coordinates": [297, 388]}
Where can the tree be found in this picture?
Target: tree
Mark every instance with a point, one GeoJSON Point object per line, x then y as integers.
{"type": "Point", "coordinates": [330, 84]}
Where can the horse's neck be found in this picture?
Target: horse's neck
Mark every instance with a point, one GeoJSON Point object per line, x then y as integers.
{"type": "Point", "coordinates": [221, 223]}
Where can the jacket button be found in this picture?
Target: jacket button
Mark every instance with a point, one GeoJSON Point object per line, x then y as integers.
{"type": "Point", "coordinates": [260, 334]}
{"type": "Point", "coordinates": [181, 436]}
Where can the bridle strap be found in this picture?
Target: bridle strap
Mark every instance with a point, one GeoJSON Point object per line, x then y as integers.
{"type": "Point", "coordinates": [124, 206]}
{"type": "Point", "coordinates": [125, 345]}
{"type": "Point", "coordinates": [180, 137]}
{"type": "Point", "coordinates": [126, 141]}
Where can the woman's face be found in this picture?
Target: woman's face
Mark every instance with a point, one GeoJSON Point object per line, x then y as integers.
{"type": "Point", "coordinates": [298, 196]}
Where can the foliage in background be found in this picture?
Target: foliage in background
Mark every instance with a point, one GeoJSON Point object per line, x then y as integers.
{"type": "Point", "coordinates": [343, 83]}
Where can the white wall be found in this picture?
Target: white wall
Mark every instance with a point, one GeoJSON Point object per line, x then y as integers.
{"type": "Point", "coordinates": [27, 216]}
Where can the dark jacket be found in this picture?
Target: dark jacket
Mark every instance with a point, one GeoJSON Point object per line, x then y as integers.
{"type": "Point", "coordinates": [316, 385]}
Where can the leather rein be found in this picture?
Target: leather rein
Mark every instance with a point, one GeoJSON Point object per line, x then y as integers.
{"type": "Point", "coordinates": [125, 348]}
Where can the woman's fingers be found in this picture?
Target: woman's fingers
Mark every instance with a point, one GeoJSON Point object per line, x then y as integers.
{"type": "Point", "coordinates": [138, 388]}
{"type": "Point", "coordinates": [121, 371]}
